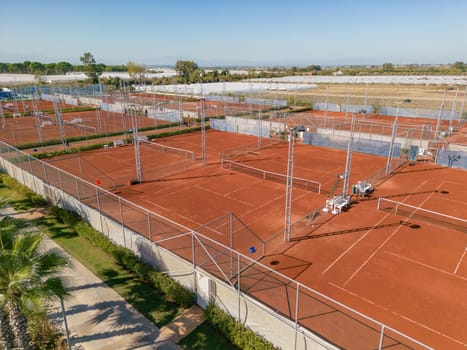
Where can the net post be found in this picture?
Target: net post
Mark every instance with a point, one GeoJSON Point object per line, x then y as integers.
{"type": "Point", "coordinates": [381, 337]}
{"type": "Point", "coordinates": [379, 203]}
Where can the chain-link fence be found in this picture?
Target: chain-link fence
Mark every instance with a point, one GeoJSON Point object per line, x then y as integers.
{"type": "Point", "coordinates": [216, 261]}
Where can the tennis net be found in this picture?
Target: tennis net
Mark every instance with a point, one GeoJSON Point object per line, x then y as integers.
{"type": "Point", "coordinates": [304, 184]}
{"type": "Point", "coordinates": [417, 213]}
{"type": "Point", "coordinates": [168, 149]}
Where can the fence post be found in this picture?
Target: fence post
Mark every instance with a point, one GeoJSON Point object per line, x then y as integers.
{"type": "Point", "coordinates": [121, 219]}
{"type": "Point", "coordinates": [99, 209]}
{"type": "Point", "coordinates": [45, 173]}
{"type": "Point", "coordinates": [193, 260]}
{"type": "Point", "coordinates": [238, 285]}
{"type": "Point", "coordinates": [77, 189]}
{"type": "Point", "coordinates": [60, 180]}
{"type": "Point", "coordinates": [231, 244]}
{"type": "Point", "coordinates": [296, 315]}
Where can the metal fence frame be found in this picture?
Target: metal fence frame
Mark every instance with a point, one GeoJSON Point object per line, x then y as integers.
{"type": "Point", "coordinates": [69, 191]}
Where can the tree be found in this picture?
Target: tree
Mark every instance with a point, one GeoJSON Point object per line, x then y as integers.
{"type": "Point", "coordinates": [459, 65]}
{"type": "Point", "coordinates": [90, 68]}
{"type": "Point", "coordinates": [185, 69]}
{"type": "Point", "coordinates": [63, 67]}
{"type": "Point", "coordinates": [197, 76]}
{"type": "Point", "coordinates": [388, 67]}
{"type": "Point", "coordinates": [136, 71]}
{"type": "Point", "coordinates": [28, 277]}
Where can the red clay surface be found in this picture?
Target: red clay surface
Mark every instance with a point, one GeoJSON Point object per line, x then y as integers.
{"type": "Point", "coordinates": [404, 271]}
{"type": "Point", "coordinates": [21, 130]}
{"type": "Point", "coordinates": [367, 123]}
{"type": "Point", "coordinates": [211, 108]}
{"type": "Point", "coordinates": [23, 106]}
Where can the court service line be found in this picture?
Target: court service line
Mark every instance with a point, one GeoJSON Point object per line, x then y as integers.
{"type": "Point", "coordinates": [397, 314]}
{"type": "Point", "coordinates": [387, 239]}
{"type": "Point", "coordinates": [427, 265]}
{"type": "Point", "coordinates": [179, 215]}
{"type": "Point", "coordinates": [453, 200]}
{"type": "Point", "coordinates": [460, 260]}
{"type": "Point", "coordinates": [366, 233]}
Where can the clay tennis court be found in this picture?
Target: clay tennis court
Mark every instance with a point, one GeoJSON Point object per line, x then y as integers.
{"type": "Point", "coordinates": [25, 106]}
{"type": "Point", "coordinates": [26, 129]}
{"type": "Point", "coordinates": [406, 269]}
{"type": "Point", "coordinates": [371, 124]}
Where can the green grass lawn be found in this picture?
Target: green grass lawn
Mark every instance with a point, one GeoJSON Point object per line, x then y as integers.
{"type": "Point", "coordinates": [144, 298]}
{"type": "Point", "coordinates": [206, 337]}
{"type": "Point", "coordinates": [14, 199]}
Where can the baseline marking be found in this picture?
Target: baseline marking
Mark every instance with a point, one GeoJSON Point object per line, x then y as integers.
{"type": "Point", "coordinates": [460, 260]}
{"type": "Point", "coordinates": [387, 239]}
{"type": "Point", "coordinates": [397, 314]}
{"type": "Point", "coordinates": [366, 233]}
{"type": "Point", "coordinates": [427, 265]}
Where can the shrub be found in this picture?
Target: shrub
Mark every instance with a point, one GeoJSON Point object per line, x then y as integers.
{"type": "Point", "coordinates": [32, 197]}
{"type": "Point", "coordinates": [172, 290]}
{"type": "Point", "coordinates": [64, 216]}
{"type": "Point", "coordinates": [43, 335]}
{"type": "Point", "coordinates": [238, 335]}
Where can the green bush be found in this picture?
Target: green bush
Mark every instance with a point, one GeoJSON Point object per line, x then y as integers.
{"type": "Point", "coordinates": [35, 199]}
{"type": "Point", "coordinates": [172, 290]}
{"type": "Point", "coordinates": [176, 132]}
{"type": "Point", "coordinates": [90, 137]}
{"type": "Point", "coordinates": [64, 216]}
{"type": "Point", "coordinates": [240, 336]}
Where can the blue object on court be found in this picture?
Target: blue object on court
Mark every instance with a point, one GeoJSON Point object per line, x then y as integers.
{"type": "Point", "coordinates": [252, 249]}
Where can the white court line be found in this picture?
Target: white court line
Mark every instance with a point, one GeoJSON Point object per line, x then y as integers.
{"type": "Point", "coordinates": [366, 233]}
{"type": "Point", "coordinates": [397, 314]}
{"type": "Point", "coordinates": [426, 265]}
{"type": "Point", "coordinates": [387, 239]}
{"type": "Point", "coordinates": [460, 260]}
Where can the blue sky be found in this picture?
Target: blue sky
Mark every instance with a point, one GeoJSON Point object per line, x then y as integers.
{"type": "Point", "coordinates": [292, 32]}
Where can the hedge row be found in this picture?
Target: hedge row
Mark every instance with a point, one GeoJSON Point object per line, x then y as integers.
{"type": "Point", "coordinates": [34, 198]}
{"type": "Point", "coordinates": [100, 145]}
{"type": "Point", "coordinates": [234, 331]}
{"type": "Point", "coordinates": [172, 290]}
{"type": "Point", "coordinates": [70, 150]}
{"type": "Point", "coordinates": [176, 132]}
{"type": "Point", "coordinates": [90, 137]}
{"type": "Point", "coordinates": [51, 111]}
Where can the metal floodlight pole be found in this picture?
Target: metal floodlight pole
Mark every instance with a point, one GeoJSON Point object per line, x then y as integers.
{"type": "Point", "coordinates": [365, 101]}
{"type": "Point", "coordinates": [438, 120]}
{"type": "Point", "coordinates": [461, 111]}
{"type": "Point", "coordinates": [260, 129]}
{"type": "Point", "coordinates": [391, 146]}
{"type": "Point", "coordinates": [3, 116]}
{"type": "Point", "coordinates": [453, 109]}
{"type": "Point", "coordinates": [326, 104]}
{"type": "Point", "coordinates": [348, 161]}
{"type": "Point", "coordinates": [347, 103]}
{"type": "Point", "coordinates": [61, 126]}
{"type": "Point", "coordinates": [203, 131]}
{"type": "Point", "coordinates": [139, 171]}
{"type": "Point", "coordinates": [289, 186]}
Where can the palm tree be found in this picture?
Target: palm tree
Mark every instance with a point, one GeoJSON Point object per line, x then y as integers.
{"type": "Point", "coordinates": [28, 277]}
